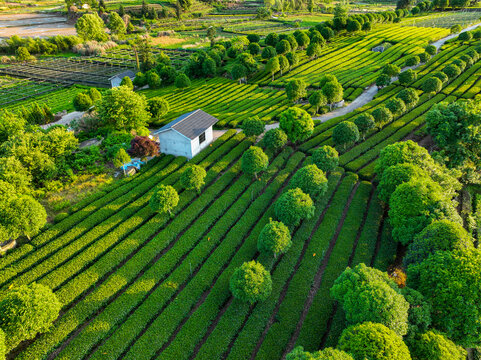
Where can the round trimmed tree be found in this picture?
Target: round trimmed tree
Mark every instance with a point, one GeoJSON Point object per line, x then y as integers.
{"type": "Point", "coordinates": [326, 158]}
{"type": "Point", "coordinates": [432, 85]}
{"type": "Point", "coordinates": [251, 282]}
{"type": "Point", "coordinates": [391, 70]}
{"type": "Point", "coordinates": [164, 199]}
{"type": "Point", "coordinates": [452, 71]}
{"type": "Point", "coordinates": [396, 106]}
{"type": "Point", "coordinates": [275, 238]}
{"type": "Point", "coordinates": [311, 180]}
{"type": "Point", "coordinates": [382, 116]}
{"type": "Point", "coordinates": [407, 77]}
{"type": "Point", "coordinates": [295, 90]}
{"type": "Point", "coordinates": [182, 81]}
{"type": "Point", "coordinates": [345, 134]}
{"type": "Point", "coordinates": [26, 311]}
{"type": "Point", "coordinates": [193, 178]}
{"type": "Point", "coordinates": [383, 80]}
{"type": "Point", "coordinates": [158, 107]}
{"type": "Point", "coordinates": [374, 342]}
{"type": "Point", "coordinates": [409, 96]}
{"type": "Point", "coordinates": [275, 139]}
{"type": "Point", "coordinates": [82, 102]}
{"type": "Point", "coordinates": [30, 216]}
{"type": "Point", "coordinates": [435, 346]}
{"type": "Point", "coordinates": [254, 160]}
{"type": "Point", "coordinates": [317, 99]}
{"type": "Point", "coordinates": [297, 124]}
{"type": "Point", "coordinates": [253, 126]}
{"type": "Point", "coordinates": [127, 81]}
{"type": "Point", "coordinates": [364, 123]}
{"type": "Point", "coordinates": [293, 206]}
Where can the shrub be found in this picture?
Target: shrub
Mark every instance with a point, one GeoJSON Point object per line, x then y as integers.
{"type": "Point", "coordinates": [293, 206]}
{"type": "Point", "coordinates": [126, 81]}
{"type": "Point", "coordinates": [251, 282]}
{"type": "Point", "coordinates": [275, 139]}
{"type": "Point", "coordinates": [193, 178]}
{"type": "Point", "coordinates": [310, 180]}
{"type": "Point", "coordinates": [465, 36]}
{"type": "Point", "coordinates": [326, 158]}
{"type": "Point", "coordinates": [94, 94]}
{"type": "Point", "coordinates": [3, 347]}
{"type": "Point", "coordinates": [26, 311]}
{"type": "Point", "coordinates": [142, 146]}
{"type": "Point", "coordinates": [158, 107]}
{"type": "Point", "coordinates": [82, 102]}
{"type": "Point", "coordinates": [274, 238]}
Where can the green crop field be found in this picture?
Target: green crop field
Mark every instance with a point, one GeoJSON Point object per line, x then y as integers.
{"type": "Point", "coordinates": [138, 284]}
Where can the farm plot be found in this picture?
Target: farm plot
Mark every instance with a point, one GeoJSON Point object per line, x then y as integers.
{"type": "Point", "coordinates": [13, 90]}
{"type": "Point", "coordinates": [353, 61]}
{"type": "Point", "coordinates": [361, 157]}
{"type": "Point", "coordinates": [66, 71]}
{"type": "Point", "coordinates": [444, 19]}
{"type": "Point", "coordinates": [230, 102]}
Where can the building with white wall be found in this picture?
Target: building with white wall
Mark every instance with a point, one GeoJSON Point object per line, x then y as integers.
{"type": "Point", "coordinates": [187, 135]}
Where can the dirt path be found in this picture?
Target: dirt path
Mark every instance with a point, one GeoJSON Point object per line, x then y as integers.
{"type": "Point", "coordinates": [65, 120]}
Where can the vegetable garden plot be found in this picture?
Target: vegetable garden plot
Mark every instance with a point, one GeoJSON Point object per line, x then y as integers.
{"type": "Point", "coordinates": [444, 19]}
{"type": "Point", "coordinates": [13, 90]}
{"type": "Point", "coordinates": [67, 71]}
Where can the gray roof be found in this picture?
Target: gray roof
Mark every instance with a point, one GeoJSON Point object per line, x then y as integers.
{"type": "Point", "coordinates": [123, 74]}
{"type": "Point", "coordinates": [190, 125]}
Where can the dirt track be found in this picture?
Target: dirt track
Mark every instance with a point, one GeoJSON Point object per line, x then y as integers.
{"type": "Point", "coordinates": [34, 25]}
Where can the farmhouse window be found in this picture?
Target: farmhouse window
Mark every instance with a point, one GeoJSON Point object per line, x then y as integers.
{"type": "Point", "coordinates": [201, 138]}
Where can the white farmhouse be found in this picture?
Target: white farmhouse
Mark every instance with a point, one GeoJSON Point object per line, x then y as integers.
{"type": "Point", "coordinates": [187, 135]}
{"type": "Point", "coordinates": [117, 79]}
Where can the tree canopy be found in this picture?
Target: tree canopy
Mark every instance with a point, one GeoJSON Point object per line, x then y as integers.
{"type": "Point", "coordinates": [326, 158]}
{"type": "Point", "coordinates": [164, 199]}
{"type": "Point", "coordinates": [91, 27]}
{"type": "Point", "coordinates": [254, 160]}
{"type": "Point", "coordinates": [297, 124]}
{"type": "Point", "coordinates": [435, 346]}
{"type": "Point", "coordinates": [275, 238]}
{"type": "Point", "coordinates": [311, 180]}
{"type": "Point", "coordinates": [275, 139]}
{"type": "Point", "coordinates": [193, 178]}
{"type": "Point", "coordinates": [345, 134]}
{"type": "Point", "coordinates": [251, 282]}
{"type": "Point", "coordinates": [253, 126]}
{"type": "Point", "coordinates": [293, 206]}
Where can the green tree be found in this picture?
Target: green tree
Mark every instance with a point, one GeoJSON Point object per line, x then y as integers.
{"type": "Point", "coordinates": [239, 72]}
{"type": "Point", "coordinates": [273, 66]}
{"type": "Point", "coordinates": [271, 39]}
{"type": "Point", "coordinates": [333, 92]}
{"type": "Point", "coordinates": [251, 282]}
{"type": "Point", "coordinates": [383, 80]}
{"type": "Point", "coordinates": [268, 52]}
{"type": "Point", "coordinates": [409, 96]}
{"type": "Point", "coordinates": [317, 99]}
{"type": "Point", "coordinates": [158, 107]}
{"type": "Point", "coordinates": [455, 128]}
{"type": "Point", "coordinates": [431, 49]}
{"type": "Point", "coordinates": [396, 175]}
{"type": "Point", "coordinates": [164, 199]}
{"type": "Point", "coordinates": [311, 180]}
{"type": "Point", "coordinates": [435, 346]}
{"type": "Point", "coordinates": [209, 67]}
{"type": "Point", "coordinates": [121, 158]}
{"type": "Point", "coordinates": [441, 76]}
{"type": "Point", "coordinates": [396, 106]}
{"type": "Point", "coordinates": [381, 116]}
{"type": "Point", "coordinates": [364, 123]}
{"type": "Point", "coordinates": [313, 50]}
{"type": "Point", "coordinates": [193, 178]}
{"type": "Point", "coordinates": [441, 235]}
{"type": "Point", "coordinates": [293, 206]}
{"type": "Point", "coordinates": [26, 311]}
{"type": "Point", "coordinates": [326, 158]}
{"type": "Point", "coordinates": [82, 102]}
{"type": "Point", "coordinates": [11, 125]}
{"type": "Point", "coordinates": [374, 342]}
{"type": "Point", "coordinates": [455, 29]}
{"type": "Point", "coordinates": [326, 354]}
{"type": "Point", "coordinates": [182, 81]}
{"type": "Point", "coordinates": [465, 36]}
{"type": "Point", "coordinates": [211, 32]}
{"type": "Point", "coordinates": [283, 63]}
{"type": "Point", "coordinates": [253, 126]}
{"type": "Point", "coordinates": [296, 123]}
{"type": "Point", "coordinates": [292, 59]}
{"type": "Point", "coordinates": [283, 47]}
{"type": "Point", "coordinates": [295, 90]}
{"type": "Point", "coordinates": [391, 70]}
{"type": "Point", "coordinates": [412, 61]}
{"type": "Point", "coordinates": [91, 27]}
{"type": "Point", "coordinates": [414, 205]}
{"type": "Point", "coordinates": [116, 25]}
{"type": "Point", "coordinates": [28, 216]}
{"type": "Point", "coordinates": [23, 54]}
{"type": "Point", "coordinates": [450, 281]}
{"type": "Point", "coordinates": [275, 139]}
{"type": "Point", "coordinates": [353, 26]}
{"type": "Point", "coordinates": [407, 77]}
{"type": "Point", "coordinates": [274, 238]}
{"type": "Point", "coordinates": [254, 48]}
{"type": "Point", "coordinates": [419, 313]}
{"type": "Point", "coordinates": [123, 109]}
{"type": "Point", "coordinates": [345, 134]}
{"type": "Point", "coordinates": [452, 71]}
{"type": "Point", "coordinates": [303, 40]}
{"type": "Point", "coordinates": [432, 85]}
{"type": "Point", "coordinates": [254, 160]}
